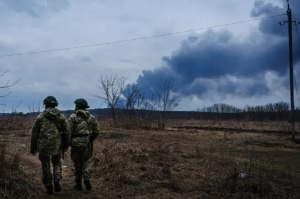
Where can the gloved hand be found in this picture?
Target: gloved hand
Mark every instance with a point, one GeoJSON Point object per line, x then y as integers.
{"type": "Point", "coordinates": [92, 138]}
{"type": "Point", "coordinates": [33, 152]}
{"type": "Point", "coordinates": [65, 149]}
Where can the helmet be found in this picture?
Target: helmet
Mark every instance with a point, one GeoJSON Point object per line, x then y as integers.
{"type": "Point", "coordinates": [82, 102]}
{"type": "Point", "coordinates": [50, 100]}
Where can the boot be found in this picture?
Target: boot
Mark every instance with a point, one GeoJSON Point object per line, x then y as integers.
{"type": "Point", "coordinates": [78, 185]}
{"type": "Point", "coordinates": [57, 187]}
{"type": "Point", "coordinates": [49, 189]}
{"type": "Point", "coordinates": [87, 183]}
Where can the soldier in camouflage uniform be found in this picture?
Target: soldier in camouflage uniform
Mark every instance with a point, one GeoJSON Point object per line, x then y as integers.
{"type": "Point", "coordinates": [84, 130]}
{"type": "Point", "coordinates": [49, 133]}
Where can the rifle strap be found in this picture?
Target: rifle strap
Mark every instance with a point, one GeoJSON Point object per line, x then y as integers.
{"type": "Point", "coordinates": [59, 129]}
{"type": "Point", "coordinates": [88, 125]}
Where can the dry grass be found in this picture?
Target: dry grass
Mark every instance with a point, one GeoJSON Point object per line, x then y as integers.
{"type": "Point", "coordinates": [193, 165]}
{"type": "Point", "coordinates": [238, 125]}
{"type": "Point", "coordinates": [13, 181]}
{"type": "Point", "coordinates": [181, 163]}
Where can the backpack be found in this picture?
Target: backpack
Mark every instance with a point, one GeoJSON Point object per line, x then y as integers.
{"type": "Point", "coordinates": [81, 138]}
{"type": "Point", "coordinates": [49, 142]}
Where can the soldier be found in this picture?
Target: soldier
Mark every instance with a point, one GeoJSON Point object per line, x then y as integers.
{"type": "Point", "coordinates": [50, 137]}
{"type": "Point", "coordinates": [84, 130]}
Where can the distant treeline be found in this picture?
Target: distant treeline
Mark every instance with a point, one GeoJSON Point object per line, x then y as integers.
{"type": "Point", "coordinates": [279, 111]}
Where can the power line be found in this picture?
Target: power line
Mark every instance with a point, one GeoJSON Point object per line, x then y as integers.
{"type": "Point", "coordinates": [141, 38]}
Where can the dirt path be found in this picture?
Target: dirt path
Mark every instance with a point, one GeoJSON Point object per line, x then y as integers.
{"type": "Point", "coordinates": [31, 166]}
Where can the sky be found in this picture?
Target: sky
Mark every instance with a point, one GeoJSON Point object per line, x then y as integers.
{"type": "Point", "coordinates": [239, 64]}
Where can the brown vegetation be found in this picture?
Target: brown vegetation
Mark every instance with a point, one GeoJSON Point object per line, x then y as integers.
{"type": "Point", "coordinates": [175, 163]}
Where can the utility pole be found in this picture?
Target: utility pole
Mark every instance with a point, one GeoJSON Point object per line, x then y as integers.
{"type": "Point", "coordinates": [289, 21]}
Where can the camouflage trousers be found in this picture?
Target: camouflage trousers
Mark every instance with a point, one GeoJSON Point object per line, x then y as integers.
{"type": "Point", "coordinates": [81, 159]}
{"type": "Point", "coordinates": [46, 168]}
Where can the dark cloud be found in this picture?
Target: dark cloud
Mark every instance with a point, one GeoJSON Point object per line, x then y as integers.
{"type": "Point", "coordinates": [204, 62]}
{"type": "Point", "coordinates": [244, 88]}
{"type": "Point", "coordinates": [33, 7]}
{"type": "Point", "coordinates": [228, 85]}
{"type": "Point", "coordinates": [261, 9]}
{"type": "Point", "coordinates": [151, 80]}
{"type": "Point", "coordinates": [267, 9]}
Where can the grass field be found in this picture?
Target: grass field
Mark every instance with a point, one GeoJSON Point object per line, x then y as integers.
{"type": "Point", "coordinates": [226, 160]}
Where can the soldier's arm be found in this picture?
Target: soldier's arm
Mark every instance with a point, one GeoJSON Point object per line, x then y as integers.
{"type": "Point", "coordinates": [35, 135]}
{"type": "Point", "coordinates": [95, 129]}
{"type": "Point", "coordinates": [66, 131]}
{"type": "Point", "coordinates": [71, 125]}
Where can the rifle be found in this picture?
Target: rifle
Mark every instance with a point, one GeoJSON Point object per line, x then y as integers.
{"type": "Point", "coordinates": [62, 145]}
{"type": "Point", "coordinates": [91, 143]}
{"type": "Point", "coordinates": [91, 146]}
{"type": "Point", "coordinates": [63, 141]}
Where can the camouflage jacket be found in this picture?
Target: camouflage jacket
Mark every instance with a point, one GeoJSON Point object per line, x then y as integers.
{"type": "Point", "coordinates": [83, 127]}
{"type": "Point", "coordinates": [47, 132]}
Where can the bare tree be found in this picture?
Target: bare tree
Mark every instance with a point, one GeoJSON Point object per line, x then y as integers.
{"type": "Point", "coordinates": [7, 85]}
{"type": "Point", "coordinates": [34, 110]}
{"type": "Point", "coordinates": [134, 99]}
{"type": "Point", "coordinates": [112, 88]}
{"type": "Point", "coordinates": [146, 113]}
{"type": "Point", "coordinates": [168, 100]}
{"type": "Point", "coordinates": [5, 120]}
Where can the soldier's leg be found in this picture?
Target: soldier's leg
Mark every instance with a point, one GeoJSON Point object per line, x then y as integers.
{"type": "Point", "coordinates": [56, 162]}
{"type": "Point", "coordinates": [76, 157]}
{"type": "Point", "coordinates": [86, 163]}
{"type": "Point", "coordinates": [47, 175]}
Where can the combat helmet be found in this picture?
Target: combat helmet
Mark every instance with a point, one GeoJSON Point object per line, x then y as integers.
{"type": "Point", "coordinates": [82, 102]}
{"type": "Point", "coordinates": [50, 101]}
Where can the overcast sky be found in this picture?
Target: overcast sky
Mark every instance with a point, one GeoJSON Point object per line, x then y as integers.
{"type": "Point", "coordinates": [242, 64]}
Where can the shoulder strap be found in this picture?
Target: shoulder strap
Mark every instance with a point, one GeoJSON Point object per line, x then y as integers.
{"type": "Point", "coordinates": [59, 129]}
{"type": "Point", "coordinates": [89, 128]}
{"type": "Point", "coordinates": [88, 125]}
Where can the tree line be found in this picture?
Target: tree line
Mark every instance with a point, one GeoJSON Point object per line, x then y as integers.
{"type": "Point", "coordinates": [279, 111]}
{"type": "Point", "coordinates": [130, 107]}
